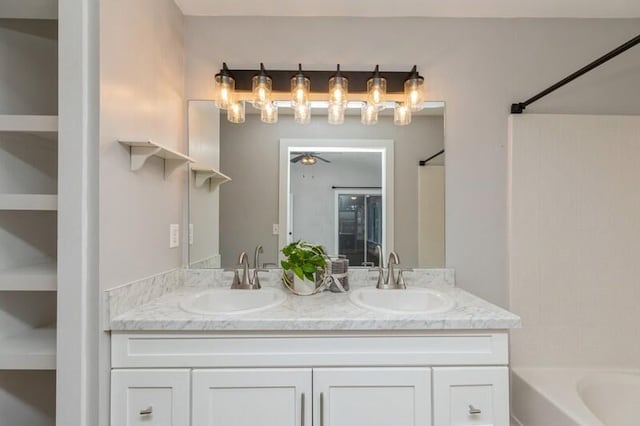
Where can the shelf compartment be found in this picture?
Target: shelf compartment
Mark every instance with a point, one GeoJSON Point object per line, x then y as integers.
{"type": "Point", "coordinates": [205, 173]}
{"type": "Point", "coordinates": [34, 349]}
{"type": "Point", "coordinates": [44, 202]}
{"type": "Point", "coordinates": [38, 277]}
{"type": "Point", "coordinates": [141, 151]}
{"type": "Point", "coordinates": [29, 123]}
{"type": "Point", "coordinates": [29, 9]}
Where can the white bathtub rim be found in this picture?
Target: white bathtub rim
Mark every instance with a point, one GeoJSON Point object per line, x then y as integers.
{"type": "Point", "coordinates": [559, 386]}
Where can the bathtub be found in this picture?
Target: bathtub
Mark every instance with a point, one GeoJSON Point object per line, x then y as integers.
{"type": "Point", "coordinates": [570, 397]}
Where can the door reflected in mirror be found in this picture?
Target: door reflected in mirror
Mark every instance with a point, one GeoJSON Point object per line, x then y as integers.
{"type": "Point", "coordinates": [347, 187]}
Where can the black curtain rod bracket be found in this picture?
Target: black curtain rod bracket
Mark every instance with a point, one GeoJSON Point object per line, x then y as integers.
{"type": "Point", "coordinates": [424, 162]}
{"type": "Point", "coordinates": [519, 107]}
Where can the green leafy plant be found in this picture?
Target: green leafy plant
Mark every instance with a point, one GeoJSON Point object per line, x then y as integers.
{"type": "Point", "coordinates": [304, 259]}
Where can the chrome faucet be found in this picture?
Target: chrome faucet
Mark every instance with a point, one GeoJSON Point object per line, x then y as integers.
{"type": "Point", "coordinates": [247, 282]}
{"type": "Point", "coordinates": [390, 280]}
{"type": "Point", "coordinates": [256, 256]}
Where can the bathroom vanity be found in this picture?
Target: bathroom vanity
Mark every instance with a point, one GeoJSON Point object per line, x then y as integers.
{"type": "Point", "coordinates": [321, 360]}
{"type": "Point", "coordinates": [190, 347]}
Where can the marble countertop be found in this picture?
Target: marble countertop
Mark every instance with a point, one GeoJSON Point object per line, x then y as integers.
{"type": "Point", "coordinates": [325, 311]}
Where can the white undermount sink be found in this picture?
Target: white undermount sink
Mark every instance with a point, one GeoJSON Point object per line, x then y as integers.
{"type": "Point", "coordinates": [227, 301]}
{"type": "Point", "coordinates": [407, 301]}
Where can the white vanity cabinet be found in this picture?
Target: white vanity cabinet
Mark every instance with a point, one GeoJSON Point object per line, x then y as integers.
{"type": "Point", "coordinates": [150, 397]}
{"type": "Point", "coordinates": [265, 397]}
{"type": "Point", "coordinates": [398, 378]}
{"type": "Point", "coordinates": [372, 396]}
{"type": "Point", "coordinates": [467, 396]}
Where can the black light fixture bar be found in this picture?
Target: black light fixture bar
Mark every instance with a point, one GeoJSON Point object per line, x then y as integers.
{"type": "Point", "coordinates": [320, 79]}
{"type": "Point", "coordinates": [518, 108]}
{"type": "Point", "coordinates": [425, 161]}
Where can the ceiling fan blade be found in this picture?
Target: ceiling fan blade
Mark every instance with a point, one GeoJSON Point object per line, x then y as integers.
{"type": "Point", "coordinates": [298, 158]}
{"type": "Point", "coordinates": [322, 159]}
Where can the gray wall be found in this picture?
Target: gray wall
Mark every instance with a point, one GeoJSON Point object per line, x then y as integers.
{"type": "Point", "coordinates": [249, 155]}
{"type": "Point", "coordinates": [141, 98]}
{"type": "Point", "coordinates": [478, 66]}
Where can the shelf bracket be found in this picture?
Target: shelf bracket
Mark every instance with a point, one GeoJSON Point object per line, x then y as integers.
{"type": "Point", "coordinates": [171, 165]}
{"type": "Point", "coordinates": [140, 155]}
{"type": "Point", "coordinates": [202, 177]}
{"type": "Point", "coordinates": [215, 180]}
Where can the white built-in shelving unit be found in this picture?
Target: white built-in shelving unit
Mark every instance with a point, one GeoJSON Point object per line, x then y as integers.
{"type": "Point", "coordinates": [36, 277]}
{"type": "Point", "coordinates": [33, 349]}
{"type": "Point", "coordinates": [28, 202]}
{"type": "Point", "coordinates": [29, 123]}
{"type": "Point", "coordinates": [28, 211]}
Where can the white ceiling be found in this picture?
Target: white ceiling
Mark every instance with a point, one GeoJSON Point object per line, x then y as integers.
{"type": "Point", "coordinates": [413, 8]}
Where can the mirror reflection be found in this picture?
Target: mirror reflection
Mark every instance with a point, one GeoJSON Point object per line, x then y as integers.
{"type": "Point", "coordinates": [347, 187]}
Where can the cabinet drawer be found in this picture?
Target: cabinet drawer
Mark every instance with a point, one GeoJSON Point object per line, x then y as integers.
{"type": "Point", "coordinates": [150, 397]}
{"type": "Point", "coordinates": [468, 396]}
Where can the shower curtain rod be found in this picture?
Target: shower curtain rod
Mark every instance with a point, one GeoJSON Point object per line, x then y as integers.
{"type": "Point", "coordinates": [424, 162]}
{"type": "Point", "coordinates": [518, 108]}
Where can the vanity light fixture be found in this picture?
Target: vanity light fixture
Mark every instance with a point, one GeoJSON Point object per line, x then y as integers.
{"type": "Point", "coordinates": [261, 85]}
{"type": "Point", "coordinates": [402, 114]}
{"type": "Point", "coordinates": [302, 113]}
{"type": "Point", "coordinates": [269, 113]}
{"type": "Point", "coordinates": [335, 114]}
{"type": "Point", "coordinates": [369, 114]}
{"type": "Point", "coordinates": [376, 89]}
{"type": "Point", "coordinates": [224, 88]}
{"type": "Point", "coordinates": [414, 91]}
{"type": "Point", "coordinates": [338, 89]}
{"type": "Point", "coordinates": [300, 88]}
{"type": "Point", "coordinates": [235, 112]}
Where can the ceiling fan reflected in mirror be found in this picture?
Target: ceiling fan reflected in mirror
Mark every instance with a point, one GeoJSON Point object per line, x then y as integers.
{"type": "Point", "coordinates": [307, 158]}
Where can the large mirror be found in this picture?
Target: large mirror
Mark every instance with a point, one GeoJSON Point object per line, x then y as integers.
{"type": "Point", "coordinates": [348, 187]}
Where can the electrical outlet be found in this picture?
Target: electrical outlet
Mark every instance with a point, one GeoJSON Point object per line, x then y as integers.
{"type": "Point", "coordinates": [276, 229]}
{"type": "Point", "coordinates": [190, 233]}
{"type": "Point", "coordinates": [174, 235]}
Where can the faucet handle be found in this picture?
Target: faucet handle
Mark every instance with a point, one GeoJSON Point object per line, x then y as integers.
{"type": "Point", "coordinates": [236, 278]}
{"type": "Point", "coordinates": [255, 281]}
{"type": "Point", "coordinates": [380, 271]}
{"type": "Point", "coordinates": [400, 282]}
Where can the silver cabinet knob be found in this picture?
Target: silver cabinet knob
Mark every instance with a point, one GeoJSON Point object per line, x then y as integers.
{"type": "Point", "coordinates": [473, 410]}
{"type": "Point", "coordinates": [147, 411]}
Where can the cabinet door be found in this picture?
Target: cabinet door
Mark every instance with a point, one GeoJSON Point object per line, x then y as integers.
{"type": "Point", "coordinates": [149, 397]}
{"type": "Point", "coordinates": [471, 396]}
{"type": "Point", "coordinates": [250, 397]}
{"type": "Point", "coordinates": [372, 397]}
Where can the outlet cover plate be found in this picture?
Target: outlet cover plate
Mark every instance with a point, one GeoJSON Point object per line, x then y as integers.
{"type": "Point", "coordinates": [174, 235]}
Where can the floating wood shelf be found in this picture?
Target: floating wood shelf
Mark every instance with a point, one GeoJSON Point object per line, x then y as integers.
{"type": "Point", "coordinates": [204, 173]}
{"type": "Point", "coordinates": [38, 277]}
{"type": "Point", "coordinates": [34, 349]}
{"type": "Point", "coordinates": [141, 151]}
{"type": "Point", "coordinates": [29, 123]}
{"type": "Point", "coordinates": [29, 202]}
